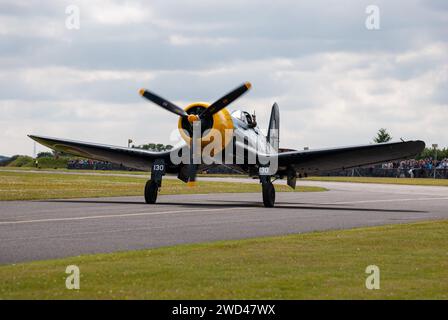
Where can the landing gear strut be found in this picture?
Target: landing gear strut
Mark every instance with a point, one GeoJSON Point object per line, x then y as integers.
{"type": "Point", "coordinates": [152, 186]}
{"type": "Point", "coordinates": [267, 187]}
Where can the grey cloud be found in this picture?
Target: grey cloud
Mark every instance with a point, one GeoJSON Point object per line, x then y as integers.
{"type": "Point", "coordinates": [259, 29]}
{"type": "Point", "coordinates": [335, 81]}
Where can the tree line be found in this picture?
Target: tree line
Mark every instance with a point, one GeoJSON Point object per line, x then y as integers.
{"type": "Point", "coordinates": [154, 147]}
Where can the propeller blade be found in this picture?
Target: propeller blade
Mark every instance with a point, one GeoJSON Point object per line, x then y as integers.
{"type": "Point", "coordinates": [226, 100]}
{"type": "Point", "coordinates": [195, 153]}
{"type": "Point", "coordinates": [165, 104]}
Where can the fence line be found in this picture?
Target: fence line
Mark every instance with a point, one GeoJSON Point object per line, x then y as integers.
{"type": "Point", "coordinates": [390, 172]}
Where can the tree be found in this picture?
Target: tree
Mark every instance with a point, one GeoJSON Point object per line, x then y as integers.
{"type": "Point", "coordinates": [44, 154]}
{"type": "Point", "coordinates": [57, 154]}
{"type": "Point", "coordinates": [154, 147]}
{"type": "Point", "coordinates": [382, 136]}
{"type": "Point", "coordinates": [430, 153]}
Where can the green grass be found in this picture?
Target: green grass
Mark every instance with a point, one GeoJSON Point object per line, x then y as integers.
{"type": "Point", "coordinates": [413, 260]}
{"type": "Point", "coordinates": [52, 170]}
{"type": "Point", "coordinates": [9, 168]}
{"type": "Point", "coordinates": [406, 181]}
{"type": "Point", "coordinates": [32, 186]}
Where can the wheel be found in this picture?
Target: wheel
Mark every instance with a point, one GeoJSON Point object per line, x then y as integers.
{"type": "Point", "coordinates": [151, 190]}
{"type": "Point", "coordinates": [268, 194]}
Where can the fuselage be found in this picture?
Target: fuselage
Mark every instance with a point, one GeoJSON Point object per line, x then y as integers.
{"type": "Point", "coordinates": [237, 130]}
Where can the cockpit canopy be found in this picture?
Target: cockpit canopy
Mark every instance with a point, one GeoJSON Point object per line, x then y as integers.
{"type": "Point", "coordinates": [245, 117]}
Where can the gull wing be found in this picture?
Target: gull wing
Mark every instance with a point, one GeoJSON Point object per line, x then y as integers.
{"type": "Point", "coordinates": [129, 157]}
{"type": "Point", "coordinates": [349, 157]}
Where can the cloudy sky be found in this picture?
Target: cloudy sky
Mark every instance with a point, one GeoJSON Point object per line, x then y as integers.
{"type": "Point", "coordinates": [336, 82]}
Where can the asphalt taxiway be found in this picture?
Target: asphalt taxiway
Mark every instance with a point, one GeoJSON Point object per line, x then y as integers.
{"type": "Point", "coordinates": [45, 229]}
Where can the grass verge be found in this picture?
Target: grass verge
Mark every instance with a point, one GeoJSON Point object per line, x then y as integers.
{"type": "Point", "coordinates": [32, 186]}
{"type": "Point", "coordinates": [52, 170]}
{"type": "Point", "coordinates": [127, 172]}
{"type": "Point", "coordinates": [413, 262]}
{"type": "Point", "coordinates": [406, 181]}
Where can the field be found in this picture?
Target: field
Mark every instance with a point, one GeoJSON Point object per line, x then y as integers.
{"type": "Point", "coordinates": [380, 180]}
{"type": "Point", "coordinates": [55, 170]}
{"type": "Point", "coordinates": [405, 181]}
{"type": "Point", "coordinates": [31, 186]}
{"type": "Point", "coordinates": [127, 172]}
{"type": "Point", "coordinates": [324, 265]}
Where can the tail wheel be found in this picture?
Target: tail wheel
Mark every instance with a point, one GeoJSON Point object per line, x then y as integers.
{"type": "Point", "coordinates": [268, 194]}
{"type": "Point", "coordinates": [151, 191]}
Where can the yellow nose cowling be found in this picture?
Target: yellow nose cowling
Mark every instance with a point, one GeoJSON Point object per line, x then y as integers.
{"type": "Point", "coordinates": [222, 121]}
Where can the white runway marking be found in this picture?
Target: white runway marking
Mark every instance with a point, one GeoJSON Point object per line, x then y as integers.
{"type": "Point", "coordinates": [119, 215]}
{"type": "Point", "coordinates": [198, 210]}
{"type": "Point", "coordinates": [388, 200]}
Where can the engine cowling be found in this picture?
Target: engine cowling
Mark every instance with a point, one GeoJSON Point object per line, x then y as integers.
{"type": "Point", "coordinates": [221, 122]}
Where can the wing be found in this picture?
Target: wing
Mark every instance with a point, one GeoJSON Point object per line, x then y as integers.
{"type": "Point", "coordinates": [129, 157]}
{"type": "Point", "coordinates": [349, 157]}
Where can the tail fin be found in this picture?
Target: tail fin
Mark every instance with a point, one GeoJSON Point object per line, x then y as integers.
{"type": "Point", "coordinates": [273, 136]}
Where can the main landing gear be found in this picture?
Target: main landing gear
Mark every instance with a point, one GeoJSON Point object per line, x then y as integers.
{"type": "Point", "coordinates": [268, 194]}
{"type": "Point", "coordinates": [151, 191]}
{"type": "Point", "coordinates": [152, 186]}
{"type": "Point", "coordinates": [267, 187]}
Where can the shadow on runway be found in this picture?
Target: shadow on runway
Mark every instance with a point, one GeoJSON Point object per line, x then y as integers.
{"type": "Point", "coordinates": [239, 203]}
{"type": "Point", "coordinates": [317, 206]}
{"type": "Point", "coordinates": [90, 201]}
{"type": "Point", "coordinates": [294, 206]}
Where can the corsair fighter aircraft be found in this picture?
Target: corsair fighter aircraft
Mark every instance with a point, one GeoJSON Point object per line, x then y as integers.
{"type": "Point", "coordinates": [241, 143]}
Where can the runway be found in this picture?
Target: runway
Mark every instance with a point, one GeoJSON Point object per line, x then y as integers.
{"type": "Point", "coordinates": [46, 229]}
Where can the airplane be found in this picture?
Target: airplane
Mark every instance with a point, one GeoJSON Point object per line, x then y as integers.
{"type": "Point", "coordinates": [240, 130]}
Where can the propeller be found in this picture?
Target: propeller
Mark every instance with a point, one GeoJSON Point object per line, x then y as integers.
{"type": "Point", "coordinates": [223, 102]}
{"type": "Point", "coordinates": [165, 104]}
{"type": "Point", "coordinates": [195, 120]}
{"type": "Point", "coordinates": [215, 107]}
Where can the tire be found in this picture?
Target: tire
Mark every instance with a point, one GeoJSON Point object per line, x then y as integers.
{"type": "Point", "coordinates": [268, 195]}
{"type": "Point", "coordinates": [151, 191]}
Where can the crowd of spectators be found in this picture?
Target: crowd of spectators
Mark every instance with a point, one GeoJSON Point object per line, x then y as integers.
{"type": "Point", "coordinates": [427, 164]}
{"type": "Point", "coordinates": [422, 168]}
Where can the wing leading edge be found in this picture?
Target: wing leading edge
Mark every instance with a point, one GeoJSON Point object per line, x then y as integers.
{"type": "Point", "coordinates": [130, 157]}
{"type": "Point", "coordinates": [349, 157]}
{"type": "Point", "coordinates": [306, 161]}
